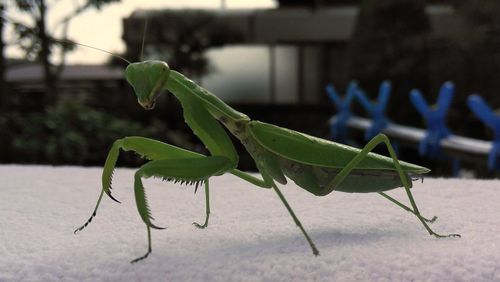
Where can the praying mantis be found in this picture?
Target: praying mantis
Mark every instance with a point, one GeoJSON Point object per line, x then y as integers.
{"type": "Point", "coordinates": [318, 166]}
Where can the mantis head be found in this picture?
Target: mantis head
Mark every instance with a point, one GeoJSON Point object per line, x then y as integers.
{"type": "Point", "coordinates": [148, 79]}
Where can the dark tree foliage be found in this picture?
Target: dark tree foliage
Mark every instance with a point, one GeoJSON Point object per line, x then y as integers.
{"type": "Point", "coordinates": [315, 3]}
{"type": "Point", "coordinates": [471, 59]}
{"type": "Point", "coordinates": [38, 42]}
{"type": "Point", "coordinates": [70, 132]}
{"type": "Point", "coordinates": [482, 46]}
{"type": "Point", "coordinates": [391, 42]}
{"type": "Point", "coordinates": [3, 85]}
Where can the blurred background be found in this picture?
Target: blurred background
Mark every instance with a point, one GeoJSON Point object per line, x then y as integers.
{"type": "Point", "coordinates": [64, 104]}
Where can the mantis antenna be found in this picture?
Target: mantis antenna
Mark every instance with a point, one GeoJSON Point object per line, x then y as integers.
{"type": "Point", "coordinates": [71, 41]}
{"type": "Point", "coordinates": [92, 47]}
{"type": "Point", "coordinates": [144, 39]}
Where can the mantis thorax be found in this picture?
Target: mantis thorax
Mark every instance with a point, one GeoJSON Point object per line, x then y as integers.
{"type": "Point", "coordinates": [236, 127]}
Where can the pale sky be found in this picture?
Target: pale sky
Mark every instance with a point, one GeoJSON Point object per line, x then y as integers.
{"type": "Point", "coordinates": [103, 28]}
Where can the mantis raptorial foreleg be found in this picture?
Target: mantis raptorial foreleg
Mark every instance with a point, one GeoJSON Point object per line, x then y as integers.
{"type": "Point", "coordinates": [184, 170]}
{"type": "Point", "coordinates": [154, 150]}
{"type": "Point", "coordinates": [382, 138]}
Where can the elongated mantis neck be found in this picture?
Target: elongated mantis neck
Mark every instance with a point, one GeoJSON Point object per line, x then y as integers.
{"type": "Point", "coordinates": [215, 106]}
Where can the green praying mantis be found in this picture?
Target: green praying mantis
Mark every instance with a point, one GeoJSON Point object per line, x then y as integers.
{"type": "Point", "coordinates": [316, 165]}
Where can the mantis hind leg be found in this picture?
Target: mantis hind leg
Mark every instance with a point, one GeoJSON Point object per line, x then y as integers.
{"type": "Point", "coordinates": [381, 138]}
{"type": "Point", "coordinates": [403, 206]}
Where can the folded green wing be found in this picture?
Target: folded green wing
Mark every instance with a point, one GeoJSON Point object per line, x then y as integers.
{"type": "Point", "coordinates": [315, 151]}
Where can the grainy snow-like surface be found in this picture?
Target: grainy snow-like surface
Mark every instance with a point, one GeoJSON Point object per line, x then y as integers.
{"type": "Point", "coordinates": [251, 237]}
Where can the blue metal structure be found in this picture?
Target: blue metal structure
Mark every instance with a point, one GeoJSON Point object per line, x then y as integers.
{"type": "Point", "coordinates": [376, 110]}
{"type": "Point", "coordinates": [338, 129]}
{"type": "Point", "coordinates": [436, 141]}
{"type": "Point", "coordinates": [492, 120]}
{"type": "Point", "coordinates": [434, 118]}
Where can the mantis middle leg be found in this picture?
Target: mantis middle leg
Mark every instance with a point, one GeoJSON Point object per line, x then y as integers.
{"type": "Point", "coordinates": [267, 182]}
{"type": "Point", "coordinates": [207, 207]}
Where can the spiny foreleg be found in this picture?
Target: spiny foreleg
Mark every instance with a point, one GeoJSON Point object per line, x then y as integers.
{"type": "Point", "coordinates": [189, 170]}
{"type": "Point", "coordinates": [107, 178]}
{"type": "Point", "coordinates": [147, 148]}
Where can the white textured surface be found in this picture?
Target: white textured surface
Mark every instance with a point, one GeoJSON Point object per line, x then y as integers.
{"type": "Point", "coordinates": [251, 237]}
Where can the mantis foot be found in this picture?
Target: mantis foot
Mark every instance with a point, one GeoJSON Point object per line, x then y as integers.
{"type": "Point", "coordinates": [453, 235]}
{"type": "Point", "coordinates": [200, 226]}
{"type": "Point", "coordinates": [315, 251]}
{"type": "Point", "coordinates": [86, 223]}
{"type": "Point", "coordinates": [431, 232]}
{"type": "Point", "coordinates": [141, 258]}
{"type": "Point", "coordinates": [432, 220]}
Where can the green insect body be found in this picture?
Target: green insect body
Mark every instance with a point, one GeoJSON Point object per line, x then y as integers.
{"type": "Point", "coordinates": [317, 162]}
{"type": "Point", "coordinates": [317, 165]}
